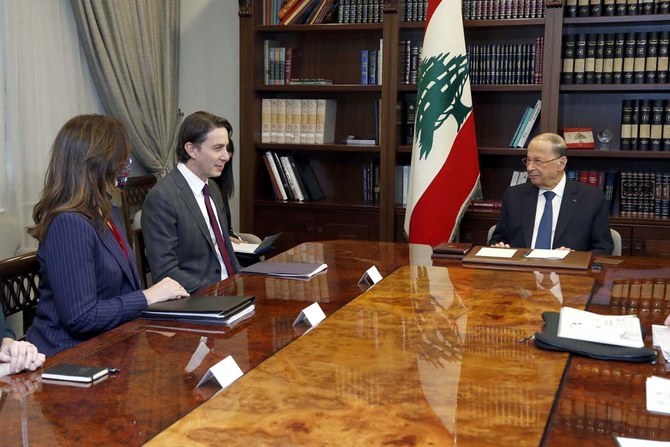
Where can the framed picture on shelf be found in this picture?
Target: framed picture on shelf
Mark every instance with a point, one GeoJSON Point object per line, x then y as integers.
{"type": "Point", "coordinates": [579, 137]}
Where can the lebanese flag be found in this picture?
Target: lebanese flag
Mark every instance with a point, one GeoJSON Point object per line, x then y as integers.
{"type": "Point", "coordinates": [445, 169]}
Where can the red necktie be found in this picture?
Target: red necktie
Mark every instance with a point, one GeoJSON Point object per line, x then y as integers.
{"type": "Point", "coordinates": [117, 236]}
{"type": "Point", "coordinates": [217, 231]}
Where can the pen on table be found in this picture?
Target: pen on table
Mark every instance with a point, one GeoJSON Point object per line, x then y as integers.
{"type": "Point", "coordinates": [112, 370]}
{"type": "Point", "coordinates": [526, 253]}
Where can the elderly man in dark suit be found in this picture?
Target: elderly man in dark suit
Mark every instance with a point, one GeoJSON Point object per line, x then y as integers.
{"type": "Point", "coordinates": [184, 228]}
{"type": "Point", "coordinates": [552, 211]}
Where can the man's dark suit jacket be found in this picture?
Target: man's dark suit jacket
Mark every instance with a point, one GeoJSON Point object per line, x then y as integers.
{"type": "Point", "coordinates": [87, 284]}
{"type": "Point", "coordinates": [176, 235]}
{"type": "Point", "coordinates": [583, 221]}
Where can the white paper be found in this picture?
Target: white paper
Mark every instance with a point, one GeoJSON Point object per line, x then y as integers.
{"type": "Point", "coordinates": [661, 338]}
{"type": "Point", "coordinates": [618, 330]}
{"type": "Point", "coordinates": [540, 253]}
{"type": "Point", "coordinates": [245, 247]}
{"type": "Point", "coordinates": [494, 252]}
{"type": "Point", "coordinates": [658, 394]}
{"type": "Point", "coordinates": [634, 442]}
{"type": "Point", "coordinates": [312, 314]}
{"type": "Point", "coordinates": [225, 372]}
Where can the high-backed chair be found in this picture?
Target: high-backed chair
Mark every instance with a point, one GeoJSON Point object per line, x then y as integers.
{"type": "Point", "coordinates": [141, 257]}
{"type": "Point", "coordinates": [19, 280]}
{"type": "Point", "coordinates": [132, 198]}
{"type": "Point", "coordinates": [616, 237]}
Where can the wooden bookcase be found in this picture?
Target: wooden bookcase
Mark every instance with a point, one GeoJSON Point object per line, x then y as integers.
{"type": "Point", "coordinates": [333, 51]}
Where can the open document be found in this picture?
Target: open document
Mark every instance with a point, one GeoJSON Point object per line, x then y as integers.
{"type": "Point", "coordinates": [618, 330]}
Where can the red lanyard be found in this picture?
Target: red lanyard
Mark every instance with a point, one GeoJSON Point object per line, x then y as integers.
{"type": "Point", "coordinates": [117, 235]}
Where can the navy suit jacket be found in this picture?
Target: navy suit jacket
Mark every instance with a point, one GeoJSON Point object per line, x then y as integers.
{"type": "Point", "coordinates": [583, 221]}
{"type": "Point", "coordinates": [87, 285]}
{"type": "Point", "coordinates": [176, 235]}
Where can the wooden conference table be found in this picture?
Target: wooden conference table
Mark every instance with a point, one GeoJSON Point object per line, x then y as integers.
{"type": "Point", "coordinates": [429, 356]}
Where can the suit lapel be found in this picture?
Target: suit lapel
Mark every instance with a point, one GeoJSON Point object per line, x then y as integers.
{"type": "Point", "coordinates": [112, 245]}
{"type": "Point", "coordinates": [186, 195]}
{"type": "Point", "coordinates": [529, 203]}
{"type": "Point", "coordinates": [569, 204]}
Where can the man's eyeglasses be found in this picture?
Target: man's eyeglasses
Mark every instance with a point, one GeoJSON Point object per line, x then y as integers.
{"type": "Point", "coordinates": [528, 161]}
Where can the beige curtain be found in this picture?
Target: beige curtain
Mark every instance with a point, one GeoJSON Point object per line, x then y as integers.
{"type": "Point", "coordinates": [132, 48]}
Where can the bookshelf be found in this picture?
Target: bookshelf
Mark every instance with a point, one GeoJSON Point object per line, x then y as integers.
{"type": "Point", "coordinates": [332, 51]}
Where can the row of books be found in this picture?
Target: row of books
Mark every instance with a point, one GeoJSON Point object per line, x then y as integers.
{"type": "Point", "coordinates": [645, 293]}
{"type": "Point", "coordinates": [371, 66]}
{"type": "Point", "coordinates": [292, 180]}
{"type": "Point", "coordinates": [518, 178]}
{"type": "Point", "coordinates": [360, 11]}
{"type": "Point", "coordinates": [645, 125]}
{"type": "Point", "coordinates": [597, 8]}
{"type": "Point", "coordinates": [502, 9]}
{"type": "Point", "coordinates": [616, 58]}
{"type": "Point", "coordinates": [496, 64]}
{"type": "Point", "coordinates": [526, 124]}
{"type": "Point", "coordinates": [413, 10]}
{"type": "Point", "coordinates": [296, 12]}
{"type": "Point", "coordinates": [409, 62]}
{"type": "Point", "coordinates": [281, 65]}
{"type": "Point", "coordinates": [371, 183]}
{"type": "Point", "coordinates": [401, 184]}
{"type": "Point", "coordinates": [298, 121]}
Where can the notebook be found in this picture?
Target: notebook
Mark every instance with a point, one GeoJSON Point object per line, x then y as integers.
{"type": "Point", "coordinates": [285, 269]}
{"type": "Point", "coordinates": [74, 373]}
{"type": "Point", "coordinates": [214, 309]}
{"type": "Point", "coordinates": [257, 249]}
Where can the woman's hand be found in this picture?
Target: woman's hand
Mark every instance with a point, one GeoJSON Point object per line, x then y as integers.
{"type": "Point", "coordinates": [164, 290]}
{"type": "Point", "coordinates": [20, 355]}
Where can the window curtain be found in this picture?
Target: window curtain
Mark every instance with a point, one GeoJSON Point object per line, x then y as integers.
{"type": "Point", "coordinates": [132, 47]}
{"type": "Point", "coordinates": [44, 81]}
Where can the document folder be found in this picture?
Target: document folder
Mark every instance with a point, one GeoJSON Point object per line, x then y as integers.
{"type": "Point", "coordinates": [215, 309]}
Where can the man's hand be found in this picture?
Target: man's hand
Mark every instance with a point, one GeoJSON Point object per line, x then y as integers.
{"type": "Point", "coordinates": [500, 245]}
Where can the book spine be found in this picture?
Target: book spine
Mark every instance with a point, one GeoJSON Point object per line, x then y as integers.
{"type": "Point", "coordinates": [640, 58]}
{"type": "Point", "coordinates": [281, 120]}
{"type": "Point", "coordinates": [609, 8]}
{"type": "Point", "coordinates": [571, 8]}
{"type": "Point", "coordinates": [580, 59]}
{"type": "Point", "coordinates": [656, 132]}
{"type": "Point", "coordinates": [644, 131]}
{"type": "Point", "coordinates": [608, 59]}
{"type": "Point", "coordinates": [662, 61]}
{"type": "Point", "coordinates": [620, 7]}
{"type": "Point", "coordinates": [365, 54]}
{"type": "Point", "coordinates": [631, 8]}
{"type": "Point", "coordinates": [595, 8]}
{"type": "Point", "coordinates": [531, 122]}
{"type": "Point", "coordinates": [583, 8]}
{"type": "Point", "coordinates": [629, 58]}
{"type": "Point", "coordinates": [651, 62]}
{"type": "Point", "coordinates": [665, 143]}
{"type": "Point", "coordinates": [634, 125]}
{"type": "Point", "coordinates": [617, 63]}
{"type": "Point", "coordinates": [568, 72]}
{"type": "Point", "coordinates": [626, 120]}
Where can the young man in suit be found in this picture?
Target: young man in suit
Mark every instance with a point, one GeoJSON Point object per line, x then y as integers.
{"type": "Point", "coordinates": [184, 227]}
{"type": "Point", "coordinates": [576, 213]}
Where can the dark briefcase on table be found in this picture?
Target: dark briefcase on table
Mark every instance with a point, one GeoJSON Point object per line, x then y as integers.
{"type": "Point", "coordinates": [549, 340]}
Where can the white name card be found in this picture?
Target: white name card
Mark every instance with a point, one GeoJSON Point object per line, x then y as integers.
{"type": "Point", "coordinates": [225, 372]}
{"type": "Point", "coordinates": [312, 315]}
{"type": "Point", "coordinates": [370, 277]}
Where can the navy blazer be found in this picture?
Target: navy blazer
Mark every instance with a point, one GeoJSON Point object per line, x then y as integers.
{"type": "Point", "coordinates": [87, 285]}
{"type": "Point", "coordinates": [176, 235]}
{"type": "Point", "coordinates": [583, 219]}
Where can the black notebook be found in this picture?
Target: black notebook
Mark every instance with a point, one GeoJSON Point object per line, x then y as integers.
{"type": "Point", "coordinates": [285, 269]}
{"type": "Point", "coordinates": [75, 373]}
{"type": "Point", "coordinates": [257, 249]}
{"type": "Point", "coordinates": [216, 309]}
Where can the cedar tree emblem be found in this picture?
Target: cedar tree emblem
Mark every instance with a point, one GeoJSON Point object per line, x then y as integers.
{"type": "Point", "coordinates": [441, 83]}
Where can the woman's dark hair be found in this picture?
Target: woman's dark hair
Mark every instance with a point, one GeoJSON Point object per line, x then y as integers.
{"type": "Point", "coordinates": [86, 156]}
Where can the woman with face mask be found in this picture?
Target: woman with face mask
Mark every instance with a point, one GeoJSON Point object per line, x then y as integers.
{"type": "Point", "coordinates": [89, 281]}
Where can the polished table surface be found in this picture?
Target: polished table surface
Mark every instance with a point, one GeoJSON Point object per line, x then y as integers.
{"type": "Point", "coordinates": [429, 356]}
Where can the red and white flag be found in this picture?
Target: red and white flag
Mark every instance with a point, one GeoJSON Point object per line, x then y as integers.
{"type": "Point", "coordinates": [445, 169]}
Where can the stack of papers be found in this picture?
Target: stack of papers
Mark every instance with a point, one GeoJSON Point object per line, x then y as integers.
{"type": "Point", "coordinates": [661, 336]}
{"type": "Point", "coordinates": [285, 269]}
{"type": "Point", "coordinates": [618, 330]}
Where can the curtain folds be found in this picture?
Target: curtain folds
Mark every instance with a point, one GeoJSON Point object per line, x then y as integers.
{"type": "Point", "coordinates": [132, 48]}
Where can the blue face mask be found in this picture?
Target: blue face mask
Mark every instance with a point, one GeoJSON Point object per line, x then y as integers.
{"type": "Point", "coordinates": [123, 175]}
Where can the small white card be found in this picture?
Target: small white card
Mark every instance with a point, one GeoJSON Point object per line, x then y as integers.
{"type": "Point", "coordinates": [495, 252]}
{"type": "Point", "coordinates": [312, 314]}
{"type": "Point", "coordinates": [225, 372]}
{"type": "Point", "coordinates": [370, 277]}
{"type": "Point", "coordinates": [658, 394]}
{"type": "Point", "coordinates": [661, 337]}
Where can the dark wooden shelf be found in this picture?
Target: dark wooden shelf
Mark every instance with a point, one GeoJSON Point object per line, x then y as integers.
{"type": "Point", "coordinates": [316, 147]}
{"type": "Point", "coordinates": [407, 87]}
{"type": "Point", "coordinates": [338, 88]}
{"type": "Point", "coordinates": [576, 153]}
{"type": "Point", "coordinates": [609, 88]}
{"type": "Point", "coordinates": [404, 148]}
{"type": "Point", "coordinates": [500, 23]}
{"type": "Point", "coordinates": [507, 88]}
{"type": "Point", "coordinates": [616, 20]}
{"type": "Point", "coordinates": [318, 205]}
{"type": "Point", "coordinates": [330, 27]}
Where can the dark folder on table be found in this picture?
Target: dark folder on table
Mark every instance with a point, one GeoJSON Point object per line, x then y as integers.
{"type": "Point", "coordinates": [578, 260]}
{"type": "Point", "coordinates": [285, 269]}
{"type": "Point", "coordinates": [215, 309]}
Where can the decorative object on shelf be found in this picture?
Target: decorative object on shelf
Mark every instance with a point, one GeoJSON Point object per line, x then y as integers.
{"type": "Point", "coordinates": [604, 138]}
{"type": "Point", "coordinates": [578, 138]}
